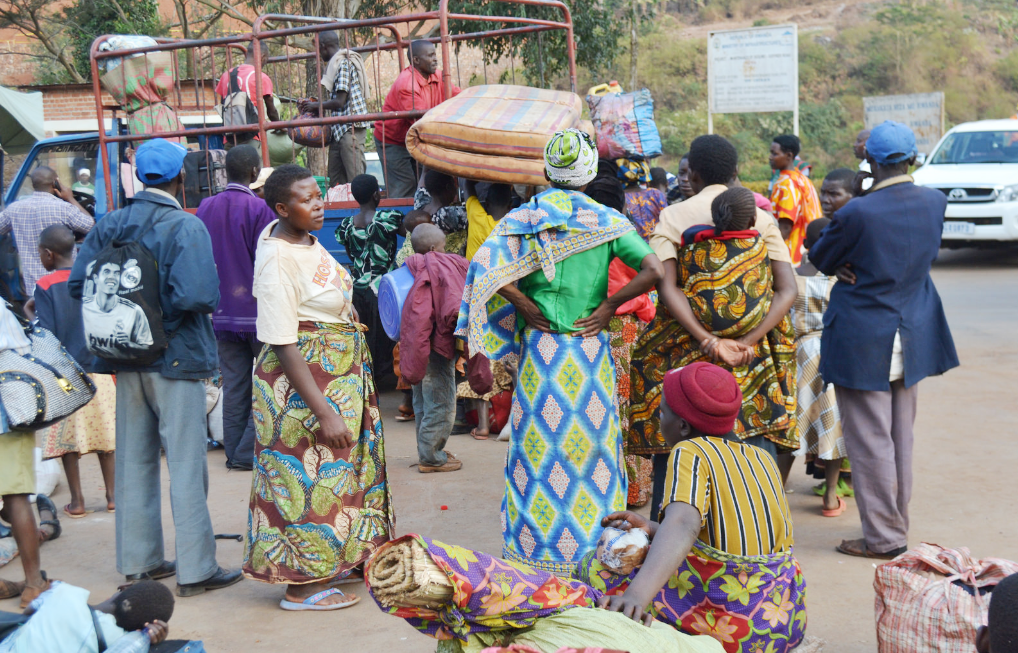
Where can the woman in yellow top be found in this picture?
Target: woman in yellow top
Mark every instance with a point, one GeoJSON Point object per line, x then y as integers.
{"type": "Point", "coordinates": [549, 258]}
{"type": "Point", "coordinates": [720, 561]}
{"type": "Point", "coordinates": [794, 199]}
{"type": "Point", "coordinates": [483, 216]}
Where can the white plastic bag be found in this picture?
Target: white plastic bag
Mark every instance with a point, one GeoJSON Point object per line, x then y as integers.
{"type": "Point", "coordinates": [47, 474]}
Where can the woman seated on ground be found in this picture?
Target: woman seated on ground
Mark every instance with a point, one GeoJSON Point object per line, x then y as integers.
{"type": "Point", "coordinates": [720, 561]}
{"type": "Point", "coordinates": [319, 493]}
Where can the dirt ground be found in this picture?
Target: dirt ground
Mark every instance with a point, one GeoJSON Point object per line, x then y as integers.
{"type": "Point", "coordinates": [958, 500]}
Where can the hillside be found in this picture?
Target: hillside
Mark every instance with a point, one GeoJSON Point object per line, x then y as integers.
{"type": "Point", "coordinates": [847, 50]}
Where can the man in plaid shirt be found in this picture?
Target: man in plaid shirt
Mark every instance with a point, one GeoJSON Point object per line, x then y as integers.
{"type": "Point", "coordinates": [345, 81]}
{"type": "Point", "coordinates": [50, 204]}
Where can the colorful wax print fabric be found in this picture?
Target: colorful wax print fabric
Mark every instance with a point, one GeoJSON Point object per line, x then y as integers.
{"type": "Point", "coordinates": [730, 287]}
{"type": "Point", "coordinates": [490, 594]}
{"type": "Point", "coordinates": [564, 471]}
{"type": "Point", "coordinates": [750, 604]}
{"type": "Point", "coordinates": [316, 512]}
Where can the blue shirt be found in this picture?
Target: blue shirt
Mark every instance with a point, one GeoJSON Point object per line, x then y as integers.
{"type": "Point", "coordinates": [60, 314]}
{"type": "Point", "coordinates": [62, 622]}
{"type": "Point", "coordinates": [188, 284]}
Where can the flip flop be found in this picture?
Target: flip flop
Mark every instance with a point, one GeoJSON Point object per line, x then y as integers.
{"type": "Point", "coordinates": [74, 515]}
{"type": "Point", "coordinates": [829, 512]}
{"type": "Point", "coordinates": [403, 417]}
{"type": "Point", "coordinates": [473, 434]}
{"type": "Point", "coordinates": [311, 602]}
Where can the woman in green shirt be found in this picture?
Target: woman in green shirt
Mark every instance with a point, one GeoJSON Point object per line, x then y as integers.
{"type": "Point", "coordinates": [549, 258]}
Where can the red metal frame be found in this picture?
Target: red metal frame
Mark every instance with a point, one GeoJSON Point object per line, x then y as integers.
{"type": "Point", "coordinates": [266, 27]}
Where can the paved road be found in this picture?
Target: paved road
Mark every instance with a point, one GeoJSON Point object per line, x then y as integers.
{"type": "Point", "coordinates": [964, 496]}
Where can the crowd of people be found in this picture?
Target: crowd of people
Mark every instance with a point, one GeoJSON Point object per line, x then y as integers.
{"type": "Point", "coordinates": [634, 340]}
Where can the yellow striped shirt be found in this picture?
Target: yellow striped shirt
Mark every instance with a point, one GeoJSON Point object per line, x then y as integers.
{"type": "Point", "coordinates": [737, 489]}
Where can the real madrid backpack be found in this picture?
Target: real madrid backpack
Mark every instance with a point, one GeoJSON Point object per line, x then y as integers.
{"type": "Point", "coordinates": [120, 307]}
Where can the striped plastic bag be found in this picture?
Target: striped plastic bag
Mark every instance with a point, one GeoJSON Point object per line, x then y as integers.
{"type": "Point", "coordinates": [933, 600]}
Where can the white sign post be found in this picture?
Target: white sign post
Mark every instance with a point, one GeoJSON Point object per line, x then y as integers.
{"type": "Point", "coordinates": [753, 70]}
{"type": "Point", "coordinates": [922, 112]}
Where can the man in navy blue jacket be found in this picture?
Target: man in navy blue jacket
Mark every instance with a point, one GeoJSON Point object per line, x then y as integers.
{"type": "Point", "coordinates": [884, 331]}
{"type": "Point", "coordinates": [163, 404]}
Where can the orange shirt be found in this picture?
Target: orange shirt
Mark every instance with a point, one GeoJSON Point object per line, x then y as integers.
{"type": "Point", "coordinates": [795, 198]}
{"type": "Point", "coordinates": [411, 91]}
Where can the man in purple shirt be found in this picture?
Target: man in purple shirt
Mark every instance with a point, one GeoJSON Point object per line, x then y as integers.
{"type": "Point", "coordinates": [235, 218]}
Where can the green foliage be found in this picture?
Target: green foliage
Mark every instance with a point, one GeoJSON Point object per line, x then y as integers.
{"type": "Point", "coordinates": [965, 48]}
{"type": "Point", "coordinates": [90, 19]}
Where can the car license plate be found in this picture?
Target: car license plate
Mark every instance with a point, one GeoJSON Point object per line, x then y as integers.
{"type": "Point", "coordinates": [959, 228]}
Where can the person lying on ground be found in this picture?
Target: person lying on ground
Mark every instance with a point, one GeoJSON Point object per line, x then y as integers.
{"type": "Point", "coordinates": [61, 619]}
{"type": "Point", "coordinates": [724, 529]}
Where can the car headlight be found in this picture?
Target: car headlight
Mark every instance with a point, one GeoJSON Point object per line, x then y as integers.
{"type": "Point", "coordinates": [1008, 194]}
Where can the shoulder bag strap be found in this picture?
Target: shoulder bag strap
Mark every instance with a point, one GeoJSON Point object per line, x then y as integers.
{"type": "Point", "coordinates": [101, 639]}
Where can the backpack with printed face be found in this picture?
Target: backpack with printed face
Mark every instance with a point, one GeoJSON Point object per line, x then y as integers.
{"type": "Point", "coordinates": [237, 107]}
{"type": "Point", "coordinates": [120, 305]}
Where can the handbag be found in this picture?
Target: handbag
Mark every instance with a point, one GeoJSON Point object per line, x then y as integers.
{"type": "Point", "coordinates": [311, 135]}
{"type": "Point", "coordinates": [45, 385]}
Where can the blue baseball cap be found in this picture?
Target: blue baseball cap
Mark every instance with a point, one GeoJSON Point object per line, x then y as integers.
{"type": "Point", "coordinates": [891, 142]}
{"type": "Point", "coordinates": [159, 161]}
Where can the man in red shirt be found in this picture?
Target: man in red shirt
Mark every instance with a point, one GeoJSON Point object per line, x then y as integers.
{"type": "Point", "coordinates": [246, 82]}
{"type": "Point", "coordinates": [417, 88]}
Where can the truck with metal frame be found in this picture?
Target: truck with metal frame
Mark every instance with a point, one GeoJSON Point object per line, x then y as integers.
{"type": "Point", "coordinates": [106, 152]}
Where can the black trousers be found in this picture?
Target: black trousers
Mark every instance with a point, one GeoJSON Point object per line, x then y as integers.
{"type": "Point", "coordinates": [366, 303]}
{"type": "Point", "coordinates": [237, 353]}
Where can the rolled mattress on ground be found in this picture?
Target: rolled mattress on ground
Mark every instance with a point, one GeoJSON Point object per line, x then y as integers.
{"type": "Point", "coordinates": [494, 133]}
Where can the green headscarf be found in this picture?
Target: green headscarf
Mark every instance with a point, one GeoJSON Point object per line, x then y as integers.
{"type": "Point", "coordinates": [570, 158]}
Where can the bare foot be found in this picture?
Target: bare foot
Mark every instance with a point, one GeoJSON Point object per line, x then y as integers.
{"type": "Point", "coordinates": [479, 434]}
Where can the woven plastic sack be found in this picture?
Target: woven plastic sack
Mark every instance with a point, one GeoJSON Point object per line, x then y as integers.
{"type": "Point", "coordinates": [933, 600]}
{"type": "Point", "coordinates": [141, 80]}
{"type": "Point", "coordinates": [311, 135]}
{"type": "Point", "coordinates": [624, 124]}
{"type": "Point", "coordinates": [493, 133]}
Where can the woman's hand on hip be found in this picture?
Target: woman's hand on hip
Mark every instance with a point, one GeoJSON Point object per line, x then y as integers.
{"type": "Point", "coordinates": [532, 314]}
{"type": "Point", "coordinates": [333, 432]}
{"type": "Point", "coordinates": [597, 321]}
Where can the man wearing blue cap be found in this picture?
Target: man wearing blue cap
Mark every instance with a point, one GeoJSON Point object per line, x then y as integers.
{"type": "Point", "coordinates": [884, 331]}
{"type": "Point", "coordinates": [163, 404]}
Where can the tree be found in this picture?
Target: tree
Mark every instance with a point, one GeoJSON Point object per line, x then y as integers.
{"type": "Point", "coordinates": [39, 21]}
{"type": "Point", "coordinates": [90, 19]}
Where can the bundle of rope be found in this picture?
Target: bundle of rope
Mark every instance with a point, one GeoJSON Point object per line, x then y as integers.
{"type": "Point", "coordinates": [402, 574]}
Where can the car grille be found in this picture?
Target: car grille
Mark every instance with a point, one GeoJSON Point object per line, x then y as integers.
{"type": "Point", "coordinates": [977, 221]}
{"type": "Point", "coordinates": [969, 195]}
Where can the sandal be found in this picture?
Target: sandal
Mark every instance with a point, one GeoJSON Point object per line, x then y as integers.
{"type": "Point", "coordinates": [10, 589]}
{"type": "Point", "coordinates": [405, 417]}
{"type": "Point", "coordinates": [44, 503]}
{"type": "Point", "coordinates": [834, 512]}
{"type": "Point", "coordinates": [357, 577]}
{"type": "Point", "coordinates": [29, 594]}
{"type": "Point", "coordinates": [311, 602]}
{"type": "Point", "coordinates": [74, 515]}
{"type": "Point", "coordinates": [859, 549]}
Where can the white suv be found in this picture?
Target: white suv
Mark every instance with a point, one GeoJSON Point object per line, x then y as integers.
{"type": "Point", "coordinates": [976, 166]}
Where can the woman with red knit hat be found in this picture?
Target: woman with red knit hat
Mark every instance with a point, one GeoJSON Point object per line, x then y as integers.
{"type": "Point", "coordinates": [720, 561]}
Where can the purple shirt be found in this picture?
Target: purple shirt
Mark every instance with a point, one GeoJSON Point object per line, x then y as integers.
{"type": "Point", "coordinates": [235, 218]}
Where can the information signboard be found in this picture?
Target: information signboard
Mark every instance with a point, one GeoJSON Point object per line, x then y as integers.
{"type": "Point", "coordinates": [923, 112]}
{"type": "Point", "coordinates": [753, 70]}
